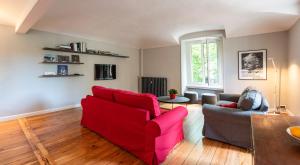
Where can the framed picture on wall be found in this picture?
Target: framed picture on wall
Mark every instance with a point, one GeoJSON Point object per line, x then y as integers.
{"type": "Point", "coordinates": [75, 58]}
{"type": "Point", "coordinates": [252, 65]}
{"type": "Point", "coordinates": [62, 70]}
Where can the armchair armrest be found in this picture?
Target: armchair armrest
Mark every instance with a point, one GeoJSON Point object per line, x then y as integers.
{"type": "Point", "coordinates": [162, 123]}
{"type": "Point", "coordinates": [229, 97]}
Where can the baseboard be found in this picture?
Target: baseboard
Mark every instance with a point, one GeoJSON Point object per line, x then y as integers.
{"type": "Point", "coordinates": [13, 117]}
{"type": "Point", "coordinates": [290, 112]}
{"type": "Point", "coordinates": [273, 110]}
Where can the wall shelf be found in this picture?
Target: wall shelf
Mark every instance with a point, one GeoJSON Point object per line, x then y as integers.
{"type": "Point", "coordinates": [88, 53]}
{"type": "Point", "coordinates": [44, 62]}
{"type": "Point", "coordinates": [70, 75]}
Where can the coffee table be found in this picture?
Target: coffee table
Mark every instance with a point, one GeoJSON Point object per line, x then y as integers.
{"type": "Point", "coordinates": [177, 100]}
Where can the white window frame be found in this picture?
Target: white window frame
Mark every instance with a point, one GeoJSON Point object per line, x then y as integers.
{"type": "Point", "coordinates": [188, 47]}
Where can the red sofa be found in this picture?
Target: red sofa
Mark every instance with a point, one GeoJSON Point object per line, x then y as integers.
{"type": "Point", "coordinates": [134, 122]}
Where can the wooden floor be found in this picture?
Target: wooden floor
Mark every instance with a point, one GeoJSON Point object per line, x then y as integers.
{"type": "Point", "coordinates": [58, 138]}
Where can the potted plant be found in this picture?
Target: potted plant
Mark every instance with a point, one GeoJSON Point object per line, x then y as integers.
{"type": "Point", "coordinates": [172, 93]}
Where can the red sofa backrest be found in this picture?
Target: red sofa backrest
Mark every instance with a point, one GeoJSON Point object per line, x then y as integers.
{"type": "Point", "coordinates": [143, 101]}
{"type": "Point", "coordinates": [103, 93]}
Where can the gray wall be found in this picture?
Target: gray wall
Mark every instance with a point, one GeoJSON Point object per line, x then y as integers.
{"type": "Point", "coordinates": [294, 69]}
{"type": "Point", "coordinates": [163, 62]}
{"type": "Point", "coordinates": [21, 89]}
{"type": "Point", "coordinates": [277, 48]}
{"type": "Point", "coordinates": [159, 62]}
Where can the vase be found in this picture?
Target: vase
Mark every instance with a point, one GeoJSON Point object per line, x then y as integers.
{"type": "Point", "coordinates": [172, 96]}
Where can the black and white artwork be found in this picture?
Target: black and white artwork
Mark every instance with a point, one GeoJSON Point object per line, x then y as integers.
{"type": "Point", "coordinates": [253, 65]}
{"type": "Point", "coordinates": [61, 58]}
{"type": "Point", "coordinates": [62, 70]}
{"type": "Point", "coordinates": [50, 58]}
{"type": "Point", "coordinates": [75, 58]}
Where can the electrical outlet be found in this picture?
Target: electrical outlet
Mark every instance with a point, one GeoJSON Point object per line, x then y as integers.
{"type": "Point", "coordinates": [282, 106]}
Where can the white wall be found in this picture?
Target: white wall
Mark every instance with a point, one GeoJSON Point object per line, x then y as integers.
{"type": "Point", "coordinates": [294, 69]}
{"type": "Point", "coordinates": [163, 62]}
{"type": "Point", "coordinates": [22, 91]}
{"type": "Point", "coordinates": [157, 62]}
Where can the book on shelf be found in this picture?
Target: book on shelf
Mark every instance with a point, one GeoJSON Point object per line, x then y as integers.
{"type": "Point", "coordinates": [74, 46]}
{"type": "Point", "coordinates": [83, 47]}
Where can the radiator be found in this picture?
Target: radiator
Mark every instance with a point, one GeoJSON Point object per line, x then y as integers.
{"type": "Point", "coordinates": [154, 85]}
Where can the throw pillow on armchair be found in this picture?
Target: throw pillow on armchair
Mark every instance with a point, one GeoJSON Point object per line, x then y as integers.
{"type": "Point", "coordinates": [250, 99]}
{"type": "Point", "coordinates": [229, 105]}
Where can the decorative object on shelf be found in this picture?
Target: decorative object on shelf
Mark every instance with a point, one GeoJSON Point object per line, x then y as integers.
{"type": "Point", "coordinates": [172, 93]}
{"type": "Point", "coordinates": [61, 58]}
{"type": "Point", "coordinates": [64, 47]}
{"type": "Point", "coordinates": [50, 58]}
{"type": "Point", "coordinates": [49, 73]}
{"type": "Point", "coordinates": [73, 47]}
{"type": "Point", "coordinates": [62, 69]}
{"type": "Point", "coordinates": [89, 52]}
{"type": "Point", "coordinates": [252, 65]}
{"type": "Point", "coordinates": [75, 58]}
{"type": "Point", "coordinates": [78, 46]}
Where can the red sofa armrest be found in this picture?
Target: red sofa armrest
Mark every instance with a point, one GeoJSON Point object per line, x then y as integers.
{"type": "Point", "coordinates": [84, 110]}
{"type": "Point", "coordinates": [162, 123]}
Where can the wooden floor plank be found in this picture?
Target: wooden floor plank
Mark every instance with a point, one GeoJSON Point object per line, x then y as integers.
{"type": "Point", "coordinates": [39, 150]}
{"type": "Point", "coordinates": [221, 153]}
{"type": "Point", "coordinates": [14, 148]}
{"type": "Point", "coordinates": [195, 154]}
{"type": "Point", "coordinates": [58, 138]}
{"type": "Point", "coordinates": [233, 157]}
{"type": "Point", "coordinates": [182, 153]}
{"type": "Point", "coordinates": [208, 152]}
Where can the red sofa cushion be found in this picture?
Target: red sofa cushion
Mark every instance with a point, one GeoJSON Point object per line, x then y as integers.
{"type": "Point", "coordinates": [229, 105]}
{"type": "Point", "coordinates": [103, 93]}
{"type": "Point", "coordinates": [144, 101]}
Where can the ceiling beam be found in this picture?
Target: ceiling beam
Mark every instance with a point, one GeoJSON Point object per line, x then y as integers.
{"type": "Point", "coordinates": [32, 14]}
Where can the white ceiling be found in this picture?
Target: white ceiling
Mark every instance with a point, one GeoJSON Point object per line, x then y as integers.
{"type": "Point", "coordinates": [156, 23]}
{"type": "Point", "coordinates": [11, 11]}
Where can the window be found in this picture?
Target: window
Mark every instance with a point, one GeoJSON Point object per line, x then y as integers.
{"type": "Point", "coordinates": [204, 62]}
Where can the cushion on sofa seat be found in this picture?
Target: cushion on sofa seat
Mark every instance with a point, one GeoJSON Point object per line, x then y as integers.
{"type": "Point", "coordinates": [221, 102]}
{"type": "Point", "coordinates": [250, 100]}
{"type": "Point", "coordinates": [230, 105]}
{"type": "Point", "coordinates": [103, 93]}
{"type": "Point", "coordinates": [144, 101]}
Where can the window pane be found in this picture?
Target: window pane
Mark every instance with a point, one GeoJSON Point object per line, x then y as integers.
{"type": "Point", "coordinates": [197, 63]}
{"type": "Point", "coordinates": [205, 63]}
{"type": "Point", "coordinates": [213, 64]}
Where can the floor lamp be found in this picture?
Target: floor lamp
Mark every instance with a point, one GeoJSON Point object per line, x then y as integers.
{"type": "Point", "coordinates": [276, 86]}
